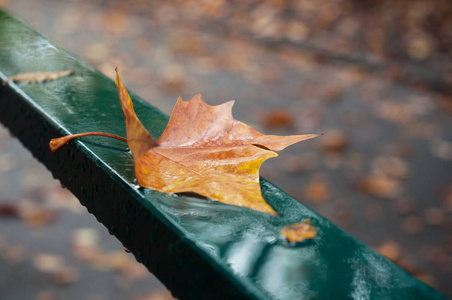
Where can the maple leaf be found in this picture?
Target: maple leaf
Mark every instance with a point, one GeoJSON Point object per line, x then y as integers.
{"type": "Point", "coordinates": [203, 149]}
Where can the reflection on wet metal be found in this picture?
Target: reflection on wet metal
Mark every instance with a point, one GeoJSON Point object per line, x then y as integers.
{"type": "Point", "coordinates": [242, 257]}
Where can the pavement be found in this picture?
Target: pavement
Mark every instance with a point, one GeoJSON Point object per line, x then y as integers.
{"type": "Point", "coordinates": [380, 94]}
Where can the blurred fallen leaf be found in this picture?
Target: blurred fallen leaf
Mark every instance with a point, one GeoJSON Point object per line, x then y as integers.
{"type": "Point", "coordinates": [412, 225]}
{"type": "Point", "coordinates": [379, 185]}
{"type": "Point", "coordinates": [389, 249]}
{"type": "Point", "coordinates": [9, 210]}
{"type": "Point", "coordinates": [46, 295]}
{"type": "Point", "coordinates": [36, 217]}
{"type": "Point", "coordinates": [404, 206]}
{"type": "Point", "coordinates": [85, 236]}
{"type": "Point", "coordinates": [442, 149]}
{"type": "Point", "coordinates": [333, 93]}
{"type": "Point", "coordinates": [278, 119]}
{"type": "Point", "coordinates": [446, 197]}
{"type": "Point", "coordinates": [297, 164]}
{"type": "Point", "coordinates": [156, 295]}
{"type": "Point", "coordinates": [440, 258]}
{"type": "Point", "coordinates": [66, 275]}
{"type": "Point", "coordinates": [445, 103]}
{"type": "Point", "coordinates": [187, 44]}
{"type": "Point", "coordinates": [344, 217]}
{"type": "Point", "coordinates": [335, 141]}
{"type": "Point", "coordinates": [14, 253]}
{"type": "Point", "coordinates": [434, 216]}
{"type": "Point", "coordinates": [296, 32]}
{"type": "Point", "coordinates": [317, 190]}
{"type": "Point", "coordinates": [390, 166]}
{"type": "Point", "coordinates": [392, 251]}
{"type": "Point", "coordinates": [47, 262]}
{"type": "Point", "coordinates": [420, 47]}
{"type": "Point", "coordinates": [173, 79]}
{"type": "Point", "coordinates": [38, 76]}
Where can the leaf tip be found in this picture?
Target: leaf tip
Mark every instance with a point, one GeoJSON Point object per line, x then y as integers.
{"type": "Point", "coordinates": [118, 79]}
{"type": "Point", "coordinates": [274, 213]}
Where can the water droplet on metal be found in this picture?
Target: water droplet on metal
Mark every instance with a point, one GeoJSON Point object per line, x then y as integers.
{"type": "Point", "coordinates": [136, 186]}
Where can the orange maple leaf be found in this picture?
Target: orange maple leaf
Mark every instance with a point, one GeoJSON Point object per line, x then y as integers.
{"type": "Point", "coordinates": [203, 149]}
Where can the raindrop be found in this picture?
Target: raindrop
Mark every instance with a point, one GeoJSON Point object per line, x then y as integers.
{"type": "Point", "coordinates": [135, 186]}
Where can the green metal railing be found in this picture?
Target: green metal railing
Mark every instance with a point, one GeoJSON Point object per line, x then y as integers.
{"type": "Point", "coordinates": [198, 249]}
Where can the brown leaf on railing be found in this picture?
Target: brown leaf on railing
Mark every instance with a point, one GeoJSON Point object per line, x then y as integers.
{"type": "Point", "coordinates": [37, 76]}
{"type": "Point", "coordinates": [203, 149]}
{"type": "Point", "coordinates": [299, 232]}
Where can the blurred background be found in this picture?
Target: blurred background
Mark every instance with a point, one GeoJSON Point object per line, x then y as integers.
{"type": "Point", "coordinates": [375, 77]}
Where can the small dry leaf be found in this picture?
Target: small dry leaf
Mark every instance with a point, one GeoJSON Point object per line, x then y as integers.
{"type": "Point", "coordinates": [441, 149]}
{"type": "Point", "coordinates": [278, 119]}
{"type": "Point", "coordinates": [412, 225]}
{"type": "Point", "coordinates": [335, 141]}
{"type": "Point", "coordinates": [158, 295]}
{"type": "Point", "coordinates": [38, 217]}
{"type": "Point", "coordinates": [46, 295]}
{"type": "Point", "coordinates": [299, 232]}
{"type": "Point", "coordinates": [445, 103]}
{"type": "Point", "coordinates": [38, 76]}
{"type": "Point", "coordinates": [9, 210]}
{"type": "Point", "coordinates": [47, 262]}
{"type": "Point", "coordinates": [344, 217]}
{"type": "Point", "coordinates": [66, 276]}
{"type": "Point", "coordinates": [390, 166]}
{"type": "Point", "coordinates": [317, 190]}
{"type": "Point", "coordinates": [85, 237]}
{"type": "Point", "coordinates": [434, 216]}
{"type": "Point", "coordinates": [14, 253]}
{"type": "Point", "coordinates": [440, 258]}
{"type": "Point", "coordinates": [446, 198]}
{"type": "Point", "coordinates": [379, 185]}
{"type": "Point", "coordinates": [389, 249]}
{"type": "Point", "coordinates": [404, 206]}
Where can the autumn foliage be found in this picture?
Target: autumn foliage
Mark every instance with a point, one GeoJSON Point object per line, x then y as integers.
{"type": "Point", "coordinates": [203, 149]}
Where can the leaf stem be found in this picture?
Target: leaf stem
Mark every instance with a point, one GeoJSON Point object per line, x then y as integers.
{"type": "Point", "coordinates": [57, 143]}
